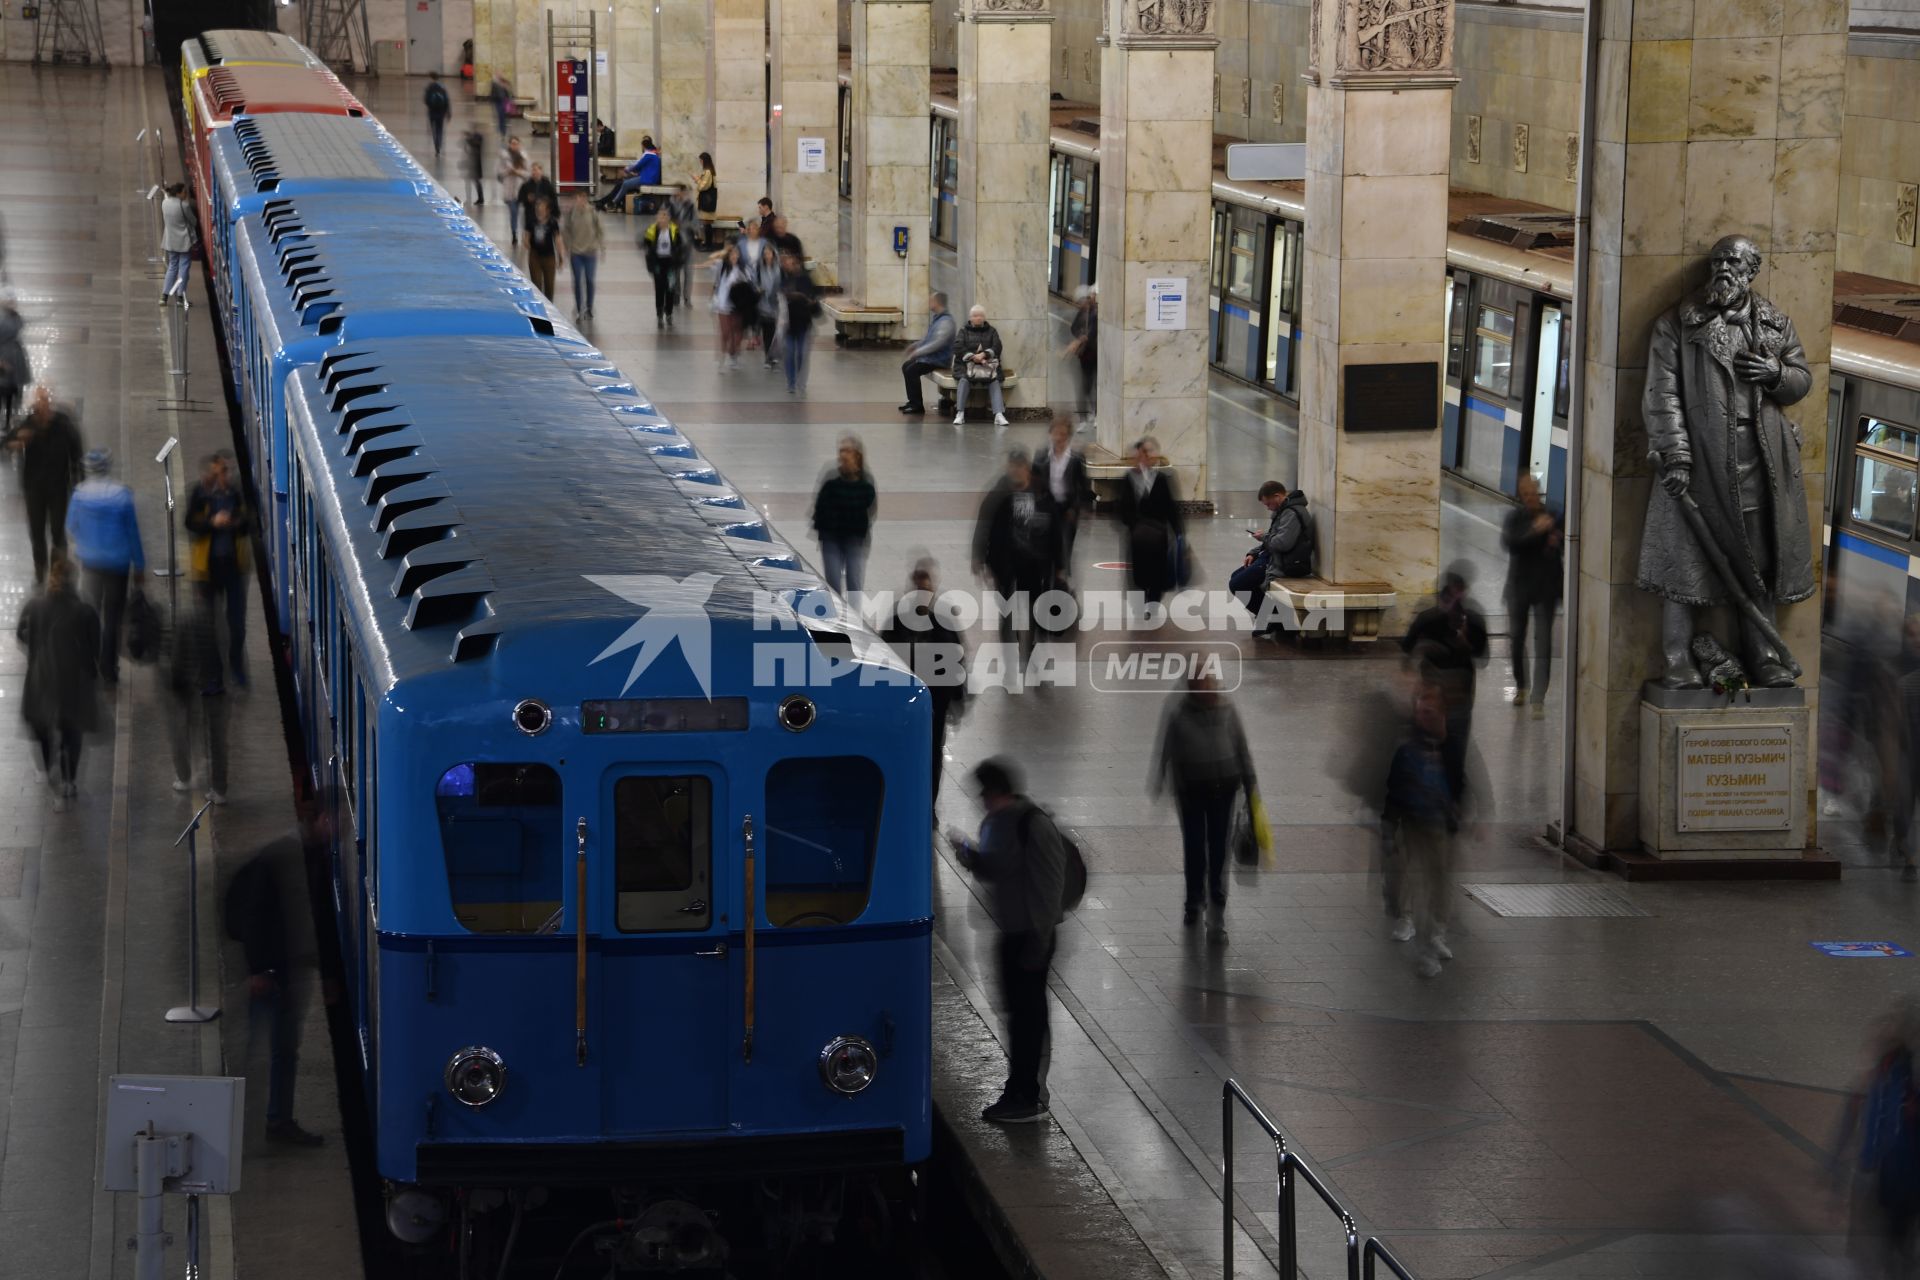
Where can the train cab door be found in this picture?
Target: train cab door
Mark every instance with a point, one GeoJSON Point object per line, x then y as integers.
{"type": "Point", "coordinates": [665, 1026]}
{"type": "Point", "coordinates": [1546, 407]}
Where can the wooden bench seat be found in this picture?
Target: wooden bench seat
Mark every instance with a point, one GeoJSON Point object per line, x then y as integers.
{"type": "Point", "coordinates": [1107, 471]}
{"type": "Point", "coordinates": [855, 322]}
{"type": "Point", "coordinates": [943, 380]}
{"type": "Point", "coordinates": [1349, 610]}
{"type": "Point", "coordinates": [540, 124]}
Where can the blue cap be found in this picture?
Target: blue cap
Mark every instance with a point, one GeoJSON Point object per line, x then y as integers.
{"type": "Point", "coordinates": [98, 461]}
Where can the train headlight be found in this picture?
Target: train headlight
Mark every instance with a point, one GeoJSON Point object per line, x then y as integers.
{"type": "Point", "coordinates": [476, 1075]}
{"type": "Point", "coordinates": [532, 717]}
{"type": "Point", "coordinates": [848, 1065]}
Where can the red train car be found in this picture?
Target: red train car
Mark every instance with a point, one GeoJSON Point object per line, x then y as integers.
{"type": "Point", "coordinates": [226, 92]}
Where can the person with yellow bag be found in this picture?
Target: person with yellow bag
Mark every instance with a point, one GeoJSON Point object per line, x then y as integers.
{"type": "Point", "coordinates": [1202, 757]}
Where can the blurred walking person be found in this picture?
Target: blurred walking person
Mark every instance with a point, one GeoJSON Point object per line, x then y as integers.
{"type": "Point", "coordinates": [543, 244]}
{"type": "Point", "coordinates": [935, 653]}
{"type": "Point", "coordinates": [1021, 854]}
{"type": "Point", "coordinates": [767, 276]}
{"type": "Point", "coordinates": [1532, 538]}
{"type": "Point", "coordinates": [259, 915]}
{"type": "Point", "coordinates": [104, 533]}
{"type": "Point", "coordinates": [799, 307]}
{"type": "Point", "coordinates": [50, 466]}
{"type": "Point", "coordinates": [58, 699]}
{"type": "Point", "coordinates": [475, 165]}
{"type": "Point", "coordinates": [1422, 816]}
{"type": "Point", "coordinates": [664, 245]}
{"type": "Point", "coordinates": [439, 107]}
{"type": "Point", "coordinates": [1202, 758]}
{"type": "Point", "coordinates": [843, 518]}
{"type": "Point", "coordinates": [1150, 511]}
{"type": "Point", "coordinates": [681, 209]}
{"type": "Point", "coordinates": [176, 241]}
{"type": "Point", "coordinates": [1016, 544]}
{"type": "Point", "coordinates": [1449, 638]}
{"type": "Point", "coordinates": [1084, 349]}
{"type": "Point", "coordinates": [16, 370]}
{"type": "Point", "coordinates": [1067, 484]}
{"type": "Point", "coordinates": [197, 699]}
{"type": "Point", "coordinates": [736, 302]}
{"type": "Point", "coordinates": [581, 238]}
{"type": "Point", "coordinates": [219, 553]}
{"type": "Point", "coordinates": [511, 172]}
{"type": "Point", "coordinates": [1878, 1152]}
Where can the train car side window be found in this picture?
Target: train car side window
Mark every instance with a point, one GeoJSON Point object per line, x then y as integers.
{"type": "Point", "coordinates": [823, 824]}
{"type": "Point", "coordinates": [1884, 490]}
{"type": "Point", "coordinates": [1493, 350]}
{"type": "Point", "coordinates": [501, 831]}
{"type": "Point", "coordinates": [662, 853]}
{"type": "Point", "coordinates": [1456, 327]}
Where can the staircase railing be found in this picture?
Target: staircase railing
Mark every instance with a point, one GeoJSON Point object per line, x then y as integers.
{"type": "Point", "coordinates": [1363, 1256]}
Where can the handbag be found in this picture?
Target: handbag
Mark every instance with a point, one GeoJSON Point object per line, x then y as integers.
{"type": "Point", "coordinates": [143, 628]}
{"type": "Point", "coordinates": [1262, 833]}
{"type": "Point", "coordinates": [1179, 562]}
{"type": "Point", "coordinates": [982, 370]}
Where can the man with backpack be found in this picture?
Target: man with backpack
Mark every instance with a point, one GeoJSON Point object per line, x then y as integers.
{"type": "Point", "coordinates": [1285, 550]}
{"type": "Point", "coordinates": [439, 107]}
{"type": "Point", "coordinates": [1037, 876]}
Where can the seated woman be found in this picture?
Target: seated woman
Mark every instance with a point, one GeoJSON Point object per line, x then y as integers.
{"type": "Point", "coordinates": [976, 362]}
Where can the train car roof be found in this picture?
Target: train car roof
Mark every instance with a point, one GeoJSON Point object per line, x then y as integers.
{"type": "Point", "coordinates": [483, 483]}
{"type": "Point", "coordinates": [300, 152]}
{"type": "Point", "coordinates": [347, 267]}
{"type": "Point", "coordinates": [232, 91]}
{"type": "Point", "coordinates": [235, 44]}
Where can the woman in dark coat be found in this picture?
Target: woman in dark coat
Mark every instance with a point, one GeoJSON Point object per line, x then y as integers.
{"type": "Point", "coordinates": [1151, 513]}
{"type": "Point", "coordinates": [843, 518]}
{"type": "Point", "coordinates": [58, 701]}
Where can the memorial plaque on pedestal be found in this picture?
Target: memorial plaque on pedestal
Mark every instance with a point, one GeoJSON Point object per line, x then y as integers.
{"type": "Point", "coordinates": [1734, 779]}
{"type": "Point", "coordinates": [1724, 778]}
{"type": "Point", "coordinates": [1392, 397]}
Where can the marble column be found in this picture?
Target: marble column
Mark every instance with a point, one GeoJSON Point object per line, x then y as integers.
{"type": "Point", "coordinates": [1004, 129]}
{"type": "Point", "coordinates": [483, 48]}
{"type": "Point", "coordinates": [806, 84]}
{"type": "Point", "coordinates": [1715, 118]}
{"type": "Point", "coordinates": [684, 89]}
{"type": "Point", "coordinates": [891, 175]}
{"type": "Point", "coordinates": [630, 66]}
{"type": "Point", "coordinates": [738, 80]}
{"type": "Point", "coordinates": [1379, 110]}
{"type": "Point", "coordinates": [1156, 183]}
{"type": "Point", "coordinates": [530, 71]}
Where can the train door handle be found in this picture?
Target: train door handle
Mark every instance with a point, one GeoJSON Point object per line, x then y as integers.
{"type": "Point", "coordinates": [695, 908]}
{"type": "Point", "coordinates": [719, 949]}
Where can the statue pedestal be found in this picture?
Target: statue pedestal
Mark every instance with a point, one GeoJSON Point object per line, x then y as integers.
{"type": "Point", "coordinates": [1724, 776]}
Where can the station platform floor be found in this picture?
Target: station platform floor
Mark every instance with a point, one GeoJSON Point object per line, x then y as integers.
{"type": "Point", "coordinates": [93, 901]}
{"type": "Point", "coordinates": [1645, 1094]}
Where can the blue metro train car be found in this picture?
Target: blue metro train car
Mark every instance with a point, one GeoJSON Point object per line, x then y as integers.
{"type": "Point", "coordinates": [308, 277]}
{"type": "Point", "coordinates": [630, 815]}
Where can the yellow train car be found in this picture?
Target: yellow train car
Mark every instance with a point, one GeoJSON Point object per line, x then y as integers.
{"type": "Point", "coordinates": [236, 48]}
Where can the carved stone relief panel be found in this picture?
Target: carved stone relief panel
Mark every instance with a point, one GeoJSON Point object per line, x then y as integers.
{"type": "Point", "coordinates": [1313, 37]}
{"type": "Point", "coordinates": [1570, 165]}
{"type": "Point", "coordinates": [1169, 22]}
{"type": "Point", "coordinates": [1394, 39]}
{"type": "Point", "coordinates": [1905, 205]}
{"type": "Point", "coordinates": [1007, 10]}
{"type": "Point", "coordinates": [1246, 97]}
{"type": "Point", "coordinates": [1521, 138]}
{"type": "Point", "coordinates": [1216, 93]}
{"type": "Point", "coordinates": [1279, 104]}
{"type": "Point", "coordinates": [1473, 139]}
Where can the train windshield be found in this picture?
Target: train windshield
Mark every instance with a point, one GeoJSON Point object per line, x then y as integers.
{"type": "Point", "coordinates": [1884, 471]}
{"type": "Point", "coordinates": [500, 828]}
{"type": "Point", "coordinates": [823, 823]}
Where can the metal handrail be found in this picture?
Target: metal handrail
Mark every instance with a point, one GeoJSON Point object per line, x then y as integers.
{"type": "Point", "coordinates": [1288, 1167]}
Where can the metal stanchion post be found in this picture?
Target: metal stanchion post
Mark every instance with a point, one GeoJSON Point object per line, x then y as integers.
{"type": "Point", "coordinates": [172, 572]}
{"type": "Point", "coordinates": [193, 1237]}
{"type": "Point", "coordinates": [193, 1010]}
{"type": "Point", "coordinates": [150, 1244]}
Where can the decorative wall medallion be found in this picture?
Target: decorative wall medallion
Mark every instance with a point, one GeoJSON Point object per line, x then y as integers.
{"type": "Point", "coordinates": [1086, 65]}
{"type": "Point", "coordinates": [1520, 141]}
{"type": "Point", "coordinates": [1473, 139]}
{"type": "Point", "coordinates": [1279, 104]}
{"type": "Point", "coordinates": [1246, 97]}
{"type": "Point", "coordinates": [1216, 93]}
{"type": "Point", "coordinates": [1906, 203]}
{"type": "Point", "coordinates": [1572, 170]}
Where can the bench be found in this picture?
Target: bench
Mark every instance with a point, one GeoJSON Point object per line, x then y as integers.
{"type": "Point", "coordinates": [855, 323]}
{"type": "Point", "coordinates": [712, 222]}
{"type": "Point", "coordinates": [541, 125]}
{"type": "Point", "coordinates": [630, 205]}
{"type": "Point", "coordinates": [1107, 471]}
{"type": "Point", "coordinates": [612, 168]}
{"type": "Point", "coordinates": [1349, 610]}
{"type": "Point", "coordinates": [943, 380]}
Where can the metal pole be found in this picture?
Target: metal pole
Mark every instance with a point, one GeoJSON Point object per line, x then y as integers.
{"type": "Point", "coordinates": [193, 1010]}
{"type": "Point", "coordinates": [1226, 1183]}
{"type": "Point", "coordinates": [193, 1237]}
{"type": "Point", "coordinates": [172, 572]}
{"type": "Point", "coordinates": [1286, 1230]}
{"type": "Point", "coordinates": [150, 1244]}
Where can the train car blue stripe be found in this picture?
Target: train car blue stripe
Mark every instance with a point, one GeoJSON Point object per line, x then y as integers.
{"type": "Point", "coordinates": [1234, 310]}
{"type": "Point", "coordinates": [1872, 550]}
{"type": "Point", "coordinates": [1488, 407]}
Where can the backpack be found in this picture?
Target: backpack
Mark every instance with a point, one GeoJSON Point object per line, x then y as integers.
{"type": "Point", "coordinates": [1298, 562]}
{"type": "Point", "coordinates": [1073, 885]}
{"type": "Point", "coordinates": [437, 100]}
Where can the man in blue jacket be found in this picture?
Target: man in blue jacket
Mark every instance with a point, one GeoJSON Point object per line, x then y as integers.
{"type": "Point", "coordinates": [644, 172]}
{"type": "Point", "coordinates": [104, 534]}
{"type": "Point", "coordinates": [929, 355]}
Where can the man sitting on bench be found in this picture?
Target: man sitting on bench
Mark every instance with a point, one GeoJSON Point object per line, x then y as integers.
{"type": "Point", "coordinates": [929, 355]}
{"type": "Point", "coordinates": [644, 172]}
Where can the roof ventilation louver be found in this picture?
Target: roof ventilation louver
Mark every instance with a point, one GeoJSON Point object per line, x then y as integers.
{"type": "Point", "coordinates": [334, 371]}
{"type": "Point", "coordinates": [347, 395]}
{"type": "Point", "coordinates": [359, 437]}
{"type": "Point", "coordinates": [429, 562]}
{"type": "Point", "coordinates": [401, 444]}
{"type": "Point", "coordinates": [416, 529]}
{"type": "Point", "coordinates": [396, 475]}
{"type": "Point", "coordinates": [476, 640]}
{"type": "Point", "coordinates": [1892, 315]}
{"type": "Point", "coordinates": [402, 498]}
{"type": "Point", "coordinates": [1522, 230]}
{"type": "Point", "coordinates": [454, 598]}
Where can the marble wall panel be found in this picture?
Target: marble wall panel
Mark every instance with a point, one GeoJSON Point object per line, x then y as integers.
{"type": "Point", "coordinates": [1727, 185]}
{"type": "Point", "coordinates": [1379, 218]}
{"type": "Point", "coordinates": [1397, 134]}
{"type": "Point", "coordinates": [1387, 299]}
{"type": "Point", "coordinates": [1169, 155]}
{"type": "Point", "coordinates": [1805, 194]}
{"type": "Point", "coordinates": [1658, 104]}
{"type": "Point", "coordinates": [1735, 88]}
{"type": "Point", "coordinates": [1812, 86]}
{"type": "Point", "coordinates": [1814, 17]}
{"type": "Point", "coordinates": [1721, 19]}
{"type": "Point", "coordinates": [1653, 220]}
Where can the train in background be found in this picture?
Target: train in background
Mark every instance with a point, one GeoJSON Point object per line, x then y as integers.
{"type": "Point", "coordinates": [629, 815]}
